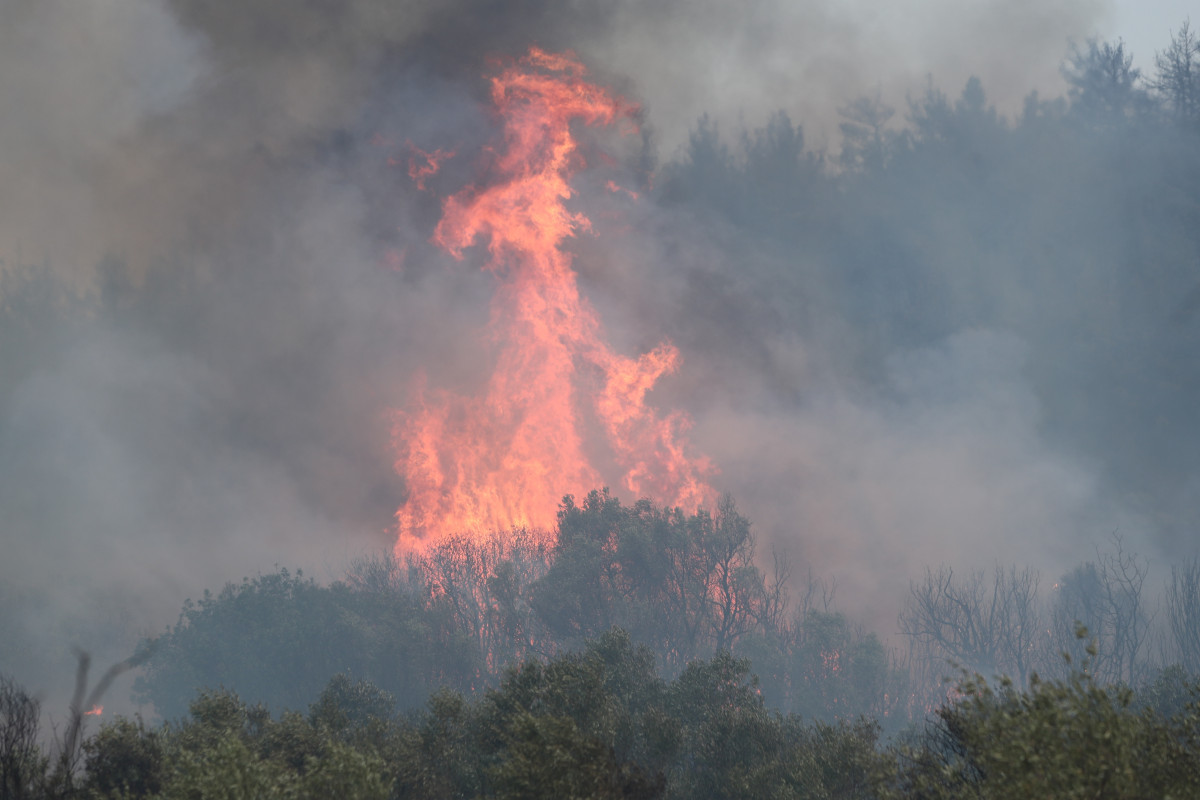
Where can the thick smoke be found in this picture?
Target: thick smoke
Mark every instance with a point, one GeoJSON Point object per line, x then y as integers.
{"type": "Point", "coordinates": [245, 288]}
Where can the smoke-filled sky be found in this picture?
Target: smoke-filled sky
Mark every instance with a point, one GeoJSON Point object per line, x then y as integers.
{"type": "Point", "coordinates": [214, 177]}
{"type": "Point", "coordinates": [103, 98]}
{"type": "Point", "coordinates": [1144, 26]}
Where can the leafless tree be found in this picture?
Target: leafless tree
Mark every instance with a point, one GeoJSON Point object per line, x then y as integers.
{"type": "Point", "coordinates": [1183, 613]}
{"type": "Point", "coordinates": [736, 597]}
{"type": "Point", "coordinates": [384, 573]}
{"type": "Point", "coordinates": [22, 765]}
{"type": "Point", "coordinates": [25, 771]}
{"type": "Point", "coordinates": [770, 614]}
{"type": "Point", "coordinates": [1105, 596]}
{"type": "Point", "coordinates": [1177, 75]}
{"type": "Point", "coordinates": [484, 584]}
{"type": "Point", "coordinates": [83, 701]}
{"type": "Point", "coordinates": [988, 624]}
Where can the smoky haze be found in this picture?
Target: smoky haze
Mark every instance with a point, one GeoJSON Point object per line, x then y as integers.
{"type": "Point", "coordinates": [217, 289]}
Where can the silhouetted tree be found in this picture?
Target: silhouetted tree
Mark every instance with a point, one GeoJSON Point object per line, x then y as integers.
{"type": "Point", "coordinates": [1105, 596]}
{"type": "Point", "coordinates": [838, 671]}
{"type": "Point", "coordinates": [23, 766]}
{"type": "Point", "coordinates": [686, 584]}
{"type": "Point", "coordinates": [279, 637]}
{"type": "Point", "coordinates": [1183, 613]}
{"type": "Point", "coordinates": [989, 624]}
{"type": "Point", "coordinates": [866, 141]}
{"type": "Point", "coordinates": [1104, 83]}
{"type": "Point", "coordinates": [125, 759]}
{"type": "Point", "coordinates": [1177, 76]}
{"type": "Point", "coordinates": [484, 587]}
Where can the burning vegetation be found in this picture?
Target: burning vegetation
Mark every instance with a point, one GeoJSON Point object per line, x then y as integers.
{"type": "Point", "coordinates": [502, 461]}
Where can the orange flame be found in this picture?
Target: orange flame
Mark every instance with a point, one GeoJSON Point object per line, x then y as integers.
{"type": "Point", "coordinates": [433, 162]}
{"type": "Point", "coordinates": [614, 188]}
{"type": "Point", "coordinates": [503, 460]}
{"type": "Point", "coordinates": [95, 712]}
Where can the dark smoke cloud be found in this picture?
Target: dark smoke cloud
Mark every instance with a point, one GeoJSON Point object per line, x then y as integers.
{"type": "Point", "coordinates": [941, 457]}
{"type": "Point", "coordinates": [266, 290]}
{"type": "Point", "coordinates": [143, 124]}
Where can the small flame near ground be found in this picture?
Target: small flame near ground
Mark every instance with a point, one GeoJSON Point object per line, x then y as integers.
{"type": "Point", "coordinates": [503, 460]}
{"type": "Point", "coordinates": [95, 712]}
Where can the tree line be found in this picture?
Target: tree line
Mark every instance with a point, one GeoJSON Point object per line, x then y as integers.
{"type": "Point", "coordinates": [685, 586]}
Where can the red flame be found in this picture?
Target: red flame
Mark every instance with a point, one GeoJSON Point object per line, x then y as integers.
{"type": "Point", "coordinates": [95, 712]}
{"type": "Point", "coordinates": [504, 459]}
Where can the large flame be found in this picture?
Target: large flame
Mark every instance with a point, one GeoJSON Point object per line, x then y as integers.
{"type": "Point", "coordinates": [503, 460]}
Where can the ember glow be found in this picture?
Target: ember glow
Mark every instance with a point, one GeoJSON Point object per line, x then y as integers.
{"type": "Point", "coordinates": [95, 712]}
{"type": "Point", "coordinates": [560, 399]}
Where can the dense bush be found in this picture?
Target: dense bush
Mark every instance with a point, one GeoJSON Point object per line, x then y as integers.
{"type": "Point", "coordinates": [1063, 738]}
{"type": "Point", "coordinates": [602, 722]}
{"type": "Point", "coordinates": [277, 638]}
{"type": "Point", "coordinates": [599, 722]}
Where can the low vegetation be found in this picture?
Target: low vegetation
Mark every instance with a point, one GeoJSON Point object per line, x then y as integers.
{"type": "Point", "coordinates": [602, 722]}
